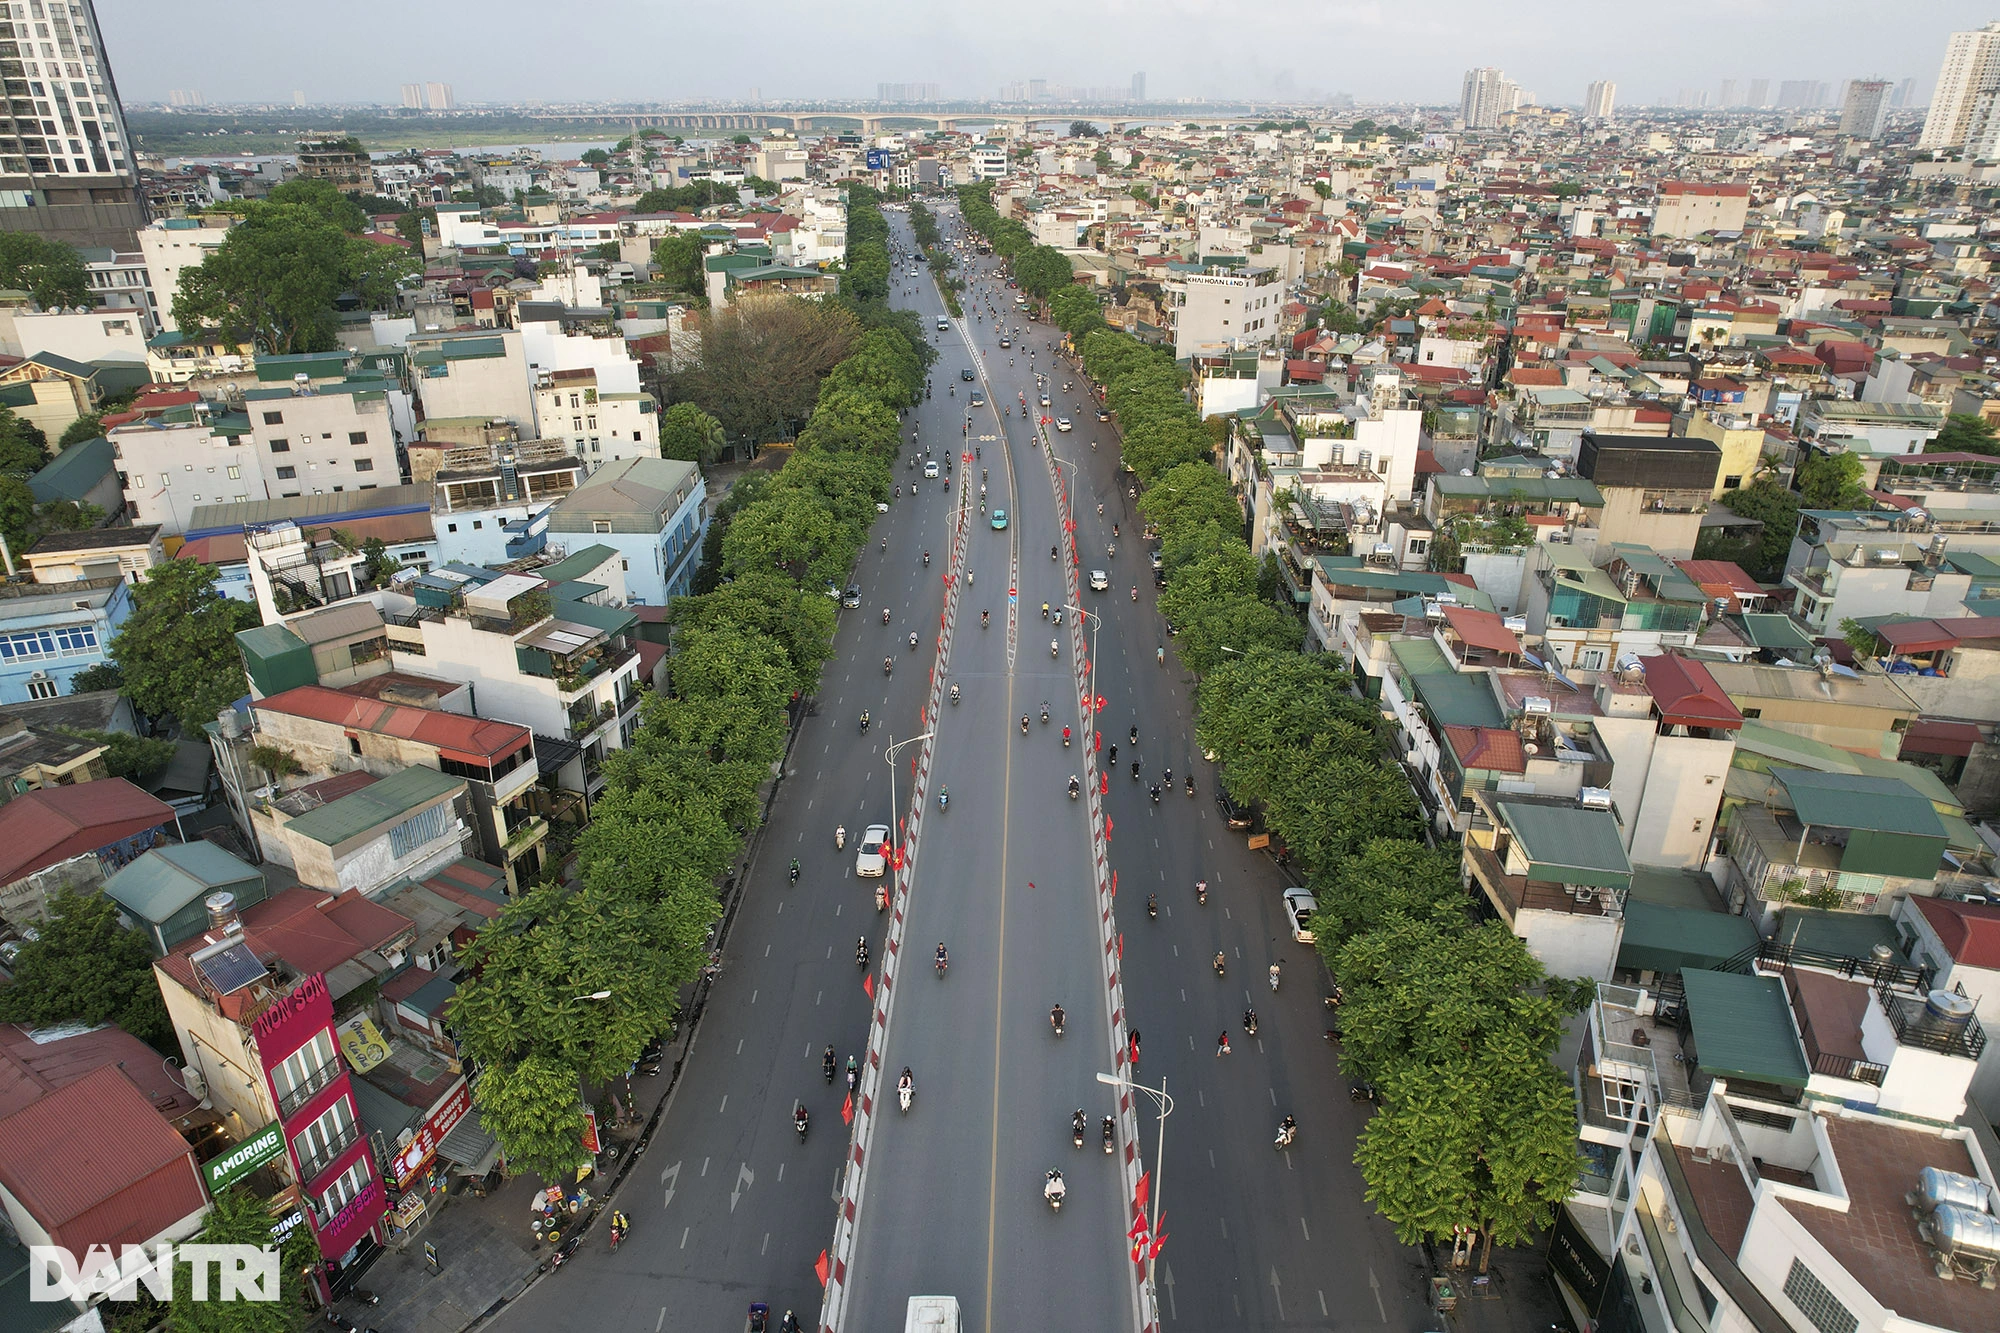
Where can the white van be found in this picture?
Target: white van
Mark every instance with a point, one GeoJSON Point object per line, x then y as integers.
{"type": "Point", "coordinates": [943, 323]}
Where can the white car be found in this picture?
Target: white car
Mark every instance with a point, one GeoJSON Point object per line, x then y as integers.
{"type": "Point", "coordinates": [869, 862]}
{"type": "Point", "coordinates": [1099, 581]}
{"type": "Point", "coordinates": [930, 469]}
{"type": "Point", "coordinates": [1299, 908]}
{"type": "Point", "coordinates": [1063, 424]}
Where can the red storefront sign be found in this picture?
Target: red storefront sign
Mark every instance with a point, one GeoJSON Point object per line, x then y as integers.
{"type": "Point", "coordinates": [412, 1159]}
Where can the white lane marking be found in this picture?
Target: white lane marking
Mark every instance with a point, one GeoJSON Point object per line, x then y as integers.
{"type": "Point", "coordinates": [720, 1110]}
{"type": "Point", "coordinates": [684, 1236]}
{"type": "Point", "coordinates": [670, 1177]}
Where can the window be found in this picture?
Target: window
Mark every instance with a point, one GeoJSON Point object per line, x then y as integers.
{"type": "Point", "coordinates": [357, 437]}
{"type": "Point", "coordinates": [1816, 1303]}
{"type": "Point", "coordinates": [576, 423]}
{"type": "Point", "coordinates": [41, 689]}
{"type": "Point", "coordinates": [287, 473]}
{"type": "Point", "coordinates": [281, 446]}
{"type": "Point", "coordinates": [346, 1189]}
{"type": "Point", "coordinates": [302, 1066]}
{"type": "Point", "coordinates": [236, 474]}
{"type": "Point", "coordinates": [451, 527]}
{"type": "Point", "coordinates": [595, 448]}
{"type": "Point", "coordinates": [592, 420]}
{"type": "Point", "coordinates": [478, 523]}
{"type": "Point", "coordinates": [274, 418]}
{"type": "Point", "coordinates": [1731, 483]}
{"type": "Point", "coordinates": [600, 525]}
{"type": "Point", "coordinates": [166, 480]}
{"type": "Point", "coordinates": [364, 465]}
{"type": "Point", "coordinates": [426, 826]}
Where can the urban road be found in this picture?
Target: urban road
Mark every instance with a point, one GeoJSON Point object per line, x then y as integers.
{"type": "Point", "coordinates": [728, 1207]}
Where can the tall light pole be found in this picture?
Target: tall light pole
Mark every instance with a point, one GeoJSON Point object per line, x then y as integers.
{"type": "Point", "coordinates": [1166, 1105]}
{"type": "Point", "coordinates": [889, 757]}
{"type": "Point", "coordinates": [1090, 701]}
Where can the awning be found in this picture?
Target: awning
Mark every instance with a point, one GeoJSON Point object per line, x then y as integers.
{"type": "Point", "coordinates": [469, 1146]}
{"type": "Point", "coordinates": [1674, 939]}
{"type": "Point", "coordinates": [1742, 1027]}
{"type": "Point", "coordinates": [1934, 736]}
{"type": "Point", "coordinates": [552, 754]}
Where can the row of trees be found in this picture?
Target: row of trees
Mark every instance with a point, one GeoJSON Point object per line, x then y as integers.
{"type": "Point", "coordinates": [1453, 1021]}
{"type": "Point", "coordinates": [681, 799]}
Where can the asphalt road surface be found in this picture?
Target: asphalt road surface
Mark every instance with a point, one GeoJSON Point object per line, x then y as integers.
{"type": "Point", "coordinates": [728, 1207]}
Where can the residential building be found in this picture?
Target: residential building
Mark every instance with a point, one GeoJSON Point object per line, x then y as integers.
{"type": "Point", "coordinates": [491, 502]}
{"type": "Point", "coordinates": [32, 759]}
{"type": "Point", "coordinates": [1962, 111]}
{"type": "Point", "coordinates": [51, 391]}
{"type": "Point", "coordinates": [652, 511]}
{"type": "Point", "coordinates": [163, 894]}
{"type": "Point", "coordinates": [1741, 442]}
{"type": "Point", "coordinates": [256, 1031]}
{"type": "Point", "coordinates": [1959, 943]}
{"type": "Point", "coordinates": [313, 545]}
{"type": "Point", "coordinates": [51, 631]}
{"type": "Point", "coordinates": [1223, 308]}
{"type": "Point", "coordinates": [1599, 99]}
{"type": "Point", "coordinates": [1872, 430]}
{"type": "Point", "coordinates": [1556, 871]}
{"type": "Point", "coordinates": [1692, 208]}
{"type": "Point", "coordinates": [473, 373]}
{"type": "Point", "coordinates": [1852, 566]}
{"type": "Point", "coordinates": [1865, 110]}
{"type": "Point", "coordinates": [333, 731]}
{"type": "Point", "coordinates": [599, 425]}
{"type": "Point", "coordinates": [1486, 95]}
{"type": "Point", "coordinates": [375, 833]}
{"type": "Point", "coordinates": [988, 162]}
{"type": "Point", "coordinates": [79, 336]}
{"type": "Point", "coordinates": [71, 838]}
{"type": "Point", "coordinates": [1864, 713]}
{"type": "Point", "coordinates": [171, 245]}
{"type": "Point", "coordinates": [1656, 488]}
{"type": "Point", "coordinates": [71, 175]}
{"type": "Point", "coordinates": [96, 553]}
{"type": "Point", "coordinates": [1592, 618]}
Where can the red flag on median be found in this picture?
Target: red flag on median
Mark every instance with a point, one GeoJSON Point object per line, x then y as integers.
{"type": "Point", "coordinates": [868, 984]}
{"type": "Point", "coordinates": [821, 1267]}
{"type": "Point", "coordinates": [847, 1110]}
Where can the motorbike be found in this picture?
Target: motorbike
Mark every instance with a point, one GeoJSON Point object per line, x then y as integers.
{"type": "Point", "coordinates": [759, 1318]}
{"type": "Point", "coordinates": [888, 666]}
{"type": "Point", "coordinates": [943, 961]}
{"type": "Point", "coordinates": [1190, 785]}
{"type": "Point", "coordinates": [1045, 715]}
{"type": "Point", "coordinates": [1287, 1131]}
{"type": "Point", "coordinates": [1052, 553]}
{"type": "Point", "coordinates": [840, 838]}
{"type": "Point", "coordinates": [1056, 1017]}
{"type": "Point", "coordinates": [1274, 976]}
{"type": "Point", "coordinates": [864, 719]}
{"type": "Point", "coordinates": [881, 897]}
{"type": "Point", "coordinates": [826, 1065]}
{"type": "Point", "coordinates": [799, 1121]}
{"type": "Point", "coordinates": [1134, 735]}
{"type": "Point", "coordinates": [1221, 965]}
{"type": "Point", "coordinates": [1110, 1134]}
{"type": "Point", "coordinates": [954, 694]}
{"type": "Point", "coordinates": [906, 1092]}
{"type": "Point", "coordinates": [794, 871]}
{"type": "Point", "coordinates": [1153, 906]}
{"type": "Point", "coordinates": [1076, 1125]}
{"type": "Point", "coordinates": [1201, 892]}
{"type": "Point", "coordinates": [1052, 647]}
{"type": "Point", "coordinates": [1362, 1092]}
{"type": "Point", "coordinates": [1053, 1190]}
{"type": "Point", "coordinates": [1065, 738]}
{"type": "Point", "coordinates": [944, 797]}
{"type": "Point", "coordinates": [1135, 770]}
{"type": "Point", "coordinates": [913, 642]}
{"type": "Point", "coordinates": [861, 953]}
{"type": "Point", "coordinates": [853, 1075]}
{"type": "Point", "coordinates": [885, 614]}
{"type": "Point", "coordinates": [927, 559]}
{"type": "Point", "coordinates": [1024, 724]}
{"type": "Point", "coordinates": [1075, 789]}
{"type": "Point", "coordinates": [1135, 592]}
{"type": "Point", "coordinates": [1111, 757]}
{"type": "Point", "coordinates": [1250, 1021]}
{"type": "Point", "coordinates": [1156, 793]}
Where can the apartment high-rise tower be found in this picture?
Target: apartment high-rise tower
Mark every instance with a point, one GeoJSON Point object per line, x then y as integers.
{"type": "Point", "coordinates": [1864, 109]}
{"type": "Point", "coordinates": [1487, 95]}
{"type": "Point", "coordinates": [1962, 107]}
{"type": "Point", "coordinates": [66, 165]}
{"type": "Point", "coordinates": [1139, 86]}
{"type": "Point", "coordinates": [1598, 100]}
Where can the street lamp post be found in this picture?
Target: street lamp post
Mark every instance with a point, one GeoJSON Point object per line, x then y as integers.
{"type": "Point", "coordinates": [1166, 1105]}
{"type": "Point", "coordinates": [1090, 700]}
{"type": "Point", "coordinates": [889, 757]}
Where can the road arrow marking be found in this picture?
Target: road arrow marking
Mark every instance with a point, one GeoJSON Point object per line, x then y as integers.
{"type": "Point", "coordinates": [1167, 1280]}
{"type": "Point", "coordinates": [745, 1178]}
{"type": "Point", "coordinates": [1375, 1286]}
{"type": "Point", "coordinates": [670, 1178]}
{"type": "Point", "coordinates": [1276, 1295]}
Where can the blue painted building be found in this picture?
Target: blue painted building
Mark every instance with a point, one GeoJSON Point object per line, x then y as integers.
{"type": "Point", "coordinates": [51, 631]}
{"type": "Point", "coordinates": [652, 511]}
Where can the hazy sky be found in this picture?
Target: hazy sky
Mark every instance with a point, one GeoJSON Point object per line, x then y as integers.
{"type": "Point", "coordinates": [667, 50]}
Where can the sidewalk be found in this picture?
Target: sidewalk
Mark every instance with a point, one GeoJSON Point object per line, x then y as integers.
{"type": "Point", "coordinates": [1516, 1297]}
{"type": "Point", "coordinates": [487, 1254]}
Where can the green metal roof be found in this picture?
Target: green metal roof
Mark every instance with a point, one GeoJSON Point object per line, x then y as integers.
{"type": "Point", "coordinates": [1674, 939]}
{"type": "Point", "coordinates": [168, 878]}
{"type": "Point", "coordinates": [1842, 934]}
{"type": "Point", "coordinates": [71, 474]}
{"type": "Point", "coordinates": [1459, 700]}
{"type": "Point", "coordinates": [1568, 844]}
{"type": "Point", "coordinates": [1855, 801]}
{"type": "Point", "coordinates": [1776, 632]}
{"type": "Point", "coordinates": [576, 564]}
{"type": "Point", "coordinates": [376, 804]}
{"type": "Point", "coordinates": [1743, 1027]}
{"type": "Point", "coordinates": [1577, 489]}
{"type": "Point", "coordinates": [608, 619]}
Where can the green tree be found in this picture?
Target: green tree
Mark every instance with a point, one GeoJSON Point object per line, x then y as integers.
{"type": "Point", "coordinates": [410, 225]}
{"type": "Point", "coordinates": [679, 259]}
{"type": "Point", "coordinates": [851, 421]}
{"type": "Point", "coordinates": [23, 447]}
{"type": "Point", "coordinates": [1043, 271]}
{"type": "Point", "coordinates": [1388, 877]}
{"type": "Point", "coordinates": [595, 157]}
{"type": "Point", "coordinates": [1191, 495]}
{"type": "Point", "coordinates": [534, 1107]}
{"type": "Point", "coordinates": [86, 427]}
{"type": "Point", "coordinates": [691, 435]}
{"type": "Point", "coordinates": [1777, 508]}
{"type": "Point", "coordinates": [239, 1217]}
{"type": "Point", "coordinates": [103, 676]}
{"type": "Point", "coordinates": [1857, 636]}
{"type": "Point", "coordinates": [86, 968]}
{"type": "Point", "coordinates": [762, 361]}
{"type": "Point", "coordinates": [177, 649]}
{"type": "Point", "coordinates": [1076, 311]}
{"type": "Point", "coordinates": [275, 281]}
{"type": "Point", "coordinates": [323, 200]}
{"type": "Point", "coordinates": [48, 271]}
{"type": "Point", "coordinates": [799, 620]}
{"type": "Point", "coordinates": [1965, 434]}
{"type": "Point", "coordinates": [1831, 481]}
{"type": "Point", "coordinates": [134, 758]}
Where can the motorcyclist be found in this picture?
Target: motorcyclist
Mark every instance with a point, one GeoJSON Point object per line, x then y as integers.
{"type": "Point", "coordinates": [1110, 1133]}
{"type": "Point", "coordinates": [1045, 610]}
{"type": "Point", "coordinates": [1167, 778]}
{"type": "Point", "coordinates": [1024, 724]}
{"type": "Point", "coordinates": [860, 957]}
{"type": "Point", "coordinates": [795, 870]}
{"type": "Point", "coordinates": [1078, 1123]}
{"type": "Point", "coordinates": [840, 835]}
{"type": "Point", "coordinates": [1135, 770]}
{"type": "Point", "coordinates": [1156, 793]}
{"type": "Point", "coordinates": [1288, 1129]}
{"type": "Point", "coordinates": [1065, 737]}
{"type": "Point", "coordinates": [944, 797]}
{"type": "Point", "coordinates": [1052, 647]}
{"type": "Point", "coordinates": [1152, 904]}
{"type": "Point", "coordinates": [826, 1064]}
{"type": "Point", "coordinates": [984, 617]}
{"type": "Point", "coordinates": [1111, 757]}
{"type": "Point", "coordinates": [885, 610]}
{"type": "Point", "coordinates": [1220, 963]}
{"type": "Point", "coordinates": [943, 957]}
{"type": "Point", "coordinates": [800, 1120]}
{"type": "Point", "coordinates": [1250, 1021]}
{"type": "Point", "coordinates": [906, 1082]}
{"type": "Point", "coordinates": [888, 665]}
{"type": "Point", "coordinates": [1133, 736]}
{"type": "Point", "coordinates": [864, 719]}
{"type": "Point", "coordinates": [1056, 1018]}
{"type": "Point", "coordinates": [1201, 890]}
{"type": "Point", "coordinates": [927, 557]}
{"type": "Point", "coordinates": [620, 1224]}
{"type": "Point", "coordinates": [1053, 1190]}
{"type": "Point", "coordinates": [1135, 592]}
{"type": "Point", "coordinates": [913, 640]}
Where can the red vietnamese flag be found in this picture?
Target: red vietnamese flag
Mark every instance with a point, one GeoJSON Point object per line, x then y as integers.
{"type": "Point", "coordinates": [821, 1268]}
{"type": "Point", "coordinates": [1142, 1191]}
{"type": "Point", "coordinates": [868, 984]}
{"type": "Point", "coordinates": [1159, 1243]}
{"type": "Point", "coordinates": [1138, 1230]}
{"type": "Point", "coordinates": [847, 1109]}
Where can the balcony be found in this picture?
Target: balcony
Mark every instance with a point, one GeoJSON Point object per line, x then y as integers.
{"type": "Point", "coordinates": [573, 674]}
{"type": "Point", "coordinates": [1914, 1024]}
{"type": "Point", "coordinates": [584, 721]}
{"type": "Point", "coordinates": [1513, 894]}
{"type": "Point", "coordinates": [311, 1166]}
{"type": "Point", "coordinates": [316, 1081]}
{"type": "Point", "coordinates": [525, 834]}
{"type": "Point", "coordinates": [1838, 1055]}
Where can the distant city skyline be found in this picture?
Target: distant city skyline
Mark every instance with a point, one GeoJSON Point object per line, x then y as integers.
{"type": "Point", "coordinates": [277, 53]}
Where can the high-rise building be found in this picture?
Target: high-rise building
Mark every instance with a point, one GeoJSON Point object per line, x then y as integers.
{"type": "Point", "coordinates": [1598, 99]}
{"type": "Point", "coordinates": [1487, 95]}
{"type": "Point", "coordinates": [413, 97]}
{"type": "Point", "coordinates": [68, 174]}
{"type": "Point", "coordinates": [1760, 93]}
{"type": "Point", "coordinates": [438, 97]}
{"type": "Point", "coordinates": [903, 93]}
{"type": "Point", "coordinates": [1962, 106]}
{"type": "Point", "coordinates": [1139, 86]}
{"type": "Point", "coordinates": [1038, 90]}
{"type": "Point", "coordinates": [185, 97]}
{"type": "Point", "coordinates": [1794, 93]}
{"type": "Point", "coordinates": [1864, 109]}
{"type": "Point", "coordinates": [1728, 97]}
{"type": "Point", "coordinates": [1905, 94]}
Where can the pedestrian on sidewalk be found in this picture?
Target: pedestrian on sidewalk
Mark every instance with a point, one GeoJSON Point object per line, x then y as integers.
{"type": "Point", "coordinates": [1222, 1043]}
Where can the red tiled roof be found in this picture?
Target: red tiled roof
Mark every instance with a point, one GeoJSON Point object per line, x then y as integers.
{"type": "Point", "coordinates": [1495, 749]}
{"type": "Point", "coordinates": [1970, 932]}
{"type": "Point", "coordinates": [1727, 574]}
{"type": "Point", "coordinates": [1687, 695]}
{"type": "Point", "coordinates": [1305, 372]}
{"type": "Point", "coordinates": [40, 828]}
{"type": "Point", "coordinates": [1427, 463]}
{"type": "Point", "coordinates": [310, 929]}
{"type": "Point", "coordinates": [95, 1164]}
{"type": "Point", "coordinates": [30, 1069]}
{"type": "Point", "coordinates": [1540, 377]}
{"type": "Point", "coordinates": [1933, 735]}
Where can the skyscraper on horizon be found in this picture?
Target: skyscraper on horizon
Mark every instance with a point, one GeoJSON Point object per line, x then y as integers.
{"type": "Point", "coordinates": [69, 176]}
{"type": "Point", "coordinates": [1905, 94]}
{"type": "Point", "coordinates": [437, 96]}
{"type": "Point", "coordinates": [1728, 95]}
{"type": "Point", "coordinates": [1599, 99]}
{"type": "Point", "coordinates": [1961, 114]}
{"type": "Point", "coordinates": [1139, 86]}
{"type": "Point", "coordinates": [1486, 96]}
{"type": "Point", "coordinates": [1864, 108]}
{"type": "Point", "coordinates": [413, 97]}
{"type": "Point", "coordinates": [1760, 93]}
